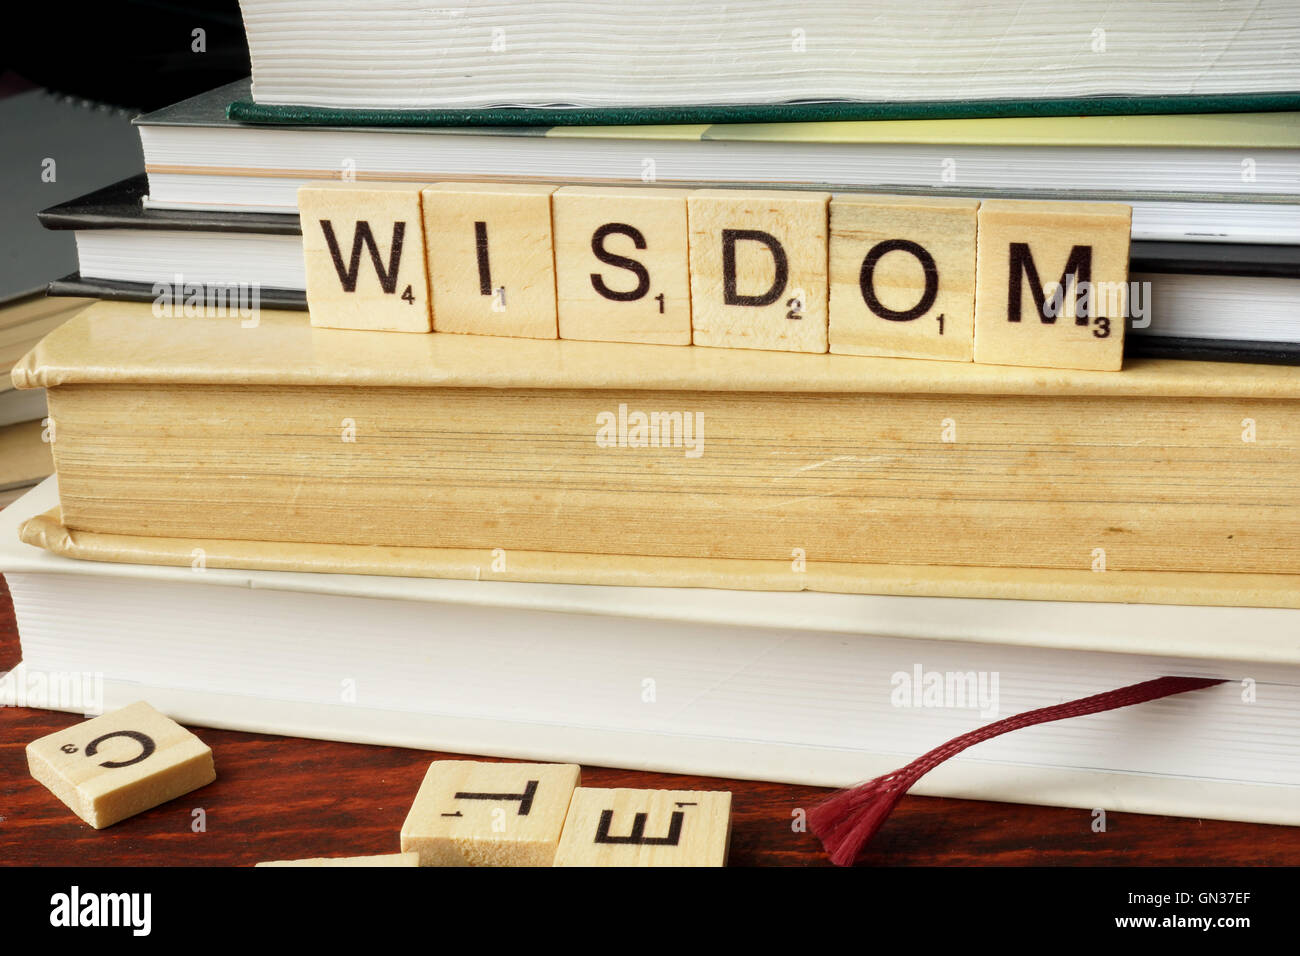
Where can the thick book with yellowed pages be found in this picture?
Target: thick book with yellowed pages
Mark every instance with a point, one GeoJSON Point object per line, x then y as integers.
{"type": "Point", "coordinates": [465, 456]}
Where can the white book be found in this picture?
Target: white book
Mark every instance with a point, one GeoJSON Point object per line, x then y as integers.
{"type": "Point", "coordinates": [807, 688]}
{"type": "Point", "coordinates": [408, 54]}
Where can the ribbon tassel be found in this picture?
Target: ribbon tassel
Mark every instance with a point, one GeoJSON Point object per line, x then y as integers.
{"type": "Point", "coordinates": [846, 821]}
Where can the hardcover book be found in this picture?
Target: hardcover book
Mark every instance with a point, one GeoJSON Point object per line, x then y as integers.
{"type": "Point", "coordinates": [763, 58]}
{"type": "Point", "coordinates": [436, 451]}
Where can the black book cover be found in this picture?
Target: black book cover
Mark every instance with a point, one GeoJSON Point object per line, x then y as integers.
{"type": "Point", "coordinates": [75, 285]}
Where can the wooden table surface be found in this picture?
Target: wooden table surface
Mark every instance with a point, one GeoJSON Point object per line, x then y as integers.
{"type": "Point", "coordinates": [281, 798]}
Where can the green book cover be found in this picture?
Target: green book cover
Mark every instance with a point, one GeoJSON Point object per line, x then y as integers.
{"type": "Point", "coordinates": [247, 111]}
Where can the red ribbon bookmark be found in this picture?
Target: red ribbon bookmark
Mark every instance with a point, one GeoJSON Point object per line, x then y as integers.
{"type": "Point", "coordinates": [845, 821]}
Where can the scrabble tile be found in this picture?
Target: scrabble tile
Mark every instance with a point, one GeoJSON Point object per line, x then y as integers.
{"type": "Point", "coordinates": [621, 267]}
{"type": "Point", "coordinates": [902, 276]}
{"type": "Point", "coordinates": [489, 814]}
{"type": "Point", "coordinates": [363, 245]}
{"type": "Point", "coordinates": [646, 828]}
{"type": "Point", "coordinates": [491, 260]}
{"type": "Point", "coordinates": [387, 859]}
{"type": "Point", "coordinates": [758, 268]}
{"type": "Point", "coordinates": [120, 764]}
{"type": "Point", "coordinates": [1026, 251]}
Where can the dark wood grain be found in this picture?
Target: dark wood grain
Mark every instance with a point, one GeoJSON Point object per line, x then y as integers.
{"type": "Point", "coordinates": [287, 798]}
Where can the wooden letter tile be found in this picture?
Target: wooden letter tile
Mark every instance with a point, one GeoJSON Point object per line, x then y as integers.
{"type": "Point", "coordinates": [489, 814]}
{"type": "Point", "coordinates": [491, 261]}
{"type": "Point", "coordinates": [621, 269]}
{"type": "Point", "coordinates": [364, 249]}
{"type": "Point", "coordinates": [1051, 283]}
{"type": "Point", "coordinates": [902, 276]}
{"type": "Point", "coordinates": [120, 764]}
{"type": "Point", "coordinates": [646, 828]}
{"type": "Point", "coordinates": [758, 268]}
{"type": "Point", "coordinates": [387, 859]}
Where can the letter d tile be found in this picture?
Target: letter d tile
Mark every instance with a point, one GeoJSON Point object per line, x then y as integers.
{"type": "Point", "coordinates": [758, 268]}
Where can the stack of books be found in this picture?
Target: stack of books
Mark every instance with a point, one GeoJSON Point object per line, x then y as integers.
{"type": "Point", "coordinates": [449, 541]}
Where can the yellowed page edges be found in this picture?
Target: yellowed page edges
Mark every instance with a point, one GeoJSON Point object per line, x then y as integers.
{"type": "Point", "coordinates": [553, 567]}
